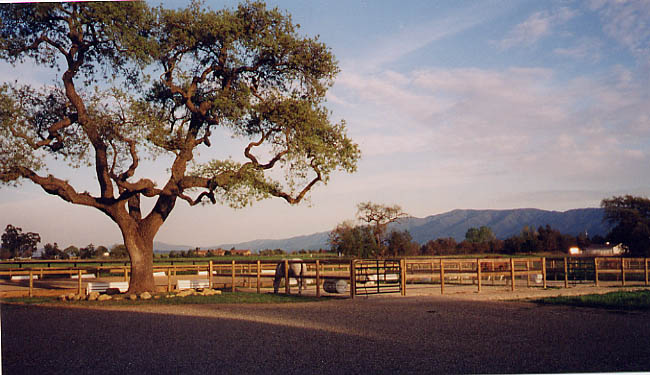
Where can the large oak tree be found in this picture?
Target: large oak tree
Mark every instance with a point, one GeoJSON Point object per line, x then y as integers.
{"type": "Point", "coordinates": [244, 73]}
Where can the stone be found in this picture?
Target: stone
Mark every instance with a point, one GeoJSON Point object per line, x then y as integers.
{"type": "Point", "coordinates": [133, 297]}
{"type": "Point", "coordinates": [70, 297]}
{"type": "Point", "coordinates": [186, 292]}
{"type": "Point", "coordinates": [157, 296]}
{"type": "Point", "coordinates": [62, 297]}
{"type": "Point", "coordinates": [78, 297]}
{"type": "Point", "coordinates": [170, 296]}
{"type": "Point", "coordinates": [145, 295]}
{"type": "Point", "coordinates": [104, 297]}
{"type": "Point", "coordinates": [93, 296]}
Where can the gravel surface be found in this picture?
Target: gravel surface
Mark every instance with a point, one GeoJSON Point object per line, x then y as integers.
{"type": "Point", "coordinates": [380, 334]}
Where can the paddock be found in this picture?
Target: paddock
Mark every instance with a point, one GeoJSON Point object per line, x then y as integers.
{"type": "Point", "coordinates": [363, 277]}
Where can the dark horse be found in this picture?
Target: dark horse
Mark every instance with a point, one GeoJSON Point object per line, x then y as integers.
{"type": "Point", "coordinates": [296, 270]}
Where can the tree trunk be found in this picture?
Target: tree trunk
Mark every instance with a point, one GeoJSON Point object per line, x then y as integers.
{"type": "Point", "coordinates": [141, 253]}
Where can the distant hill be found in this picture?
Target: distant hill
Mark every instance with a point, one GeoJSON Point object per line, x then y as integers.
{"type": "Point", "coordinates": [504, 223]}
{"type": "Point", "coordinates": [161, 247]}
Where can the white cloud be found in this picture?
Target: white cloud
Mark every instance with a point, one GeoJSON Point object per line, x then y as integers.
{"type": "Point", "coordinates": [586, 49]}
{"type": "Point", "coordinates": [627, 22]}
{"type": "Point", "coordinates": [521, 122]}
{"type": "Point", "coordinates": [536, 26]}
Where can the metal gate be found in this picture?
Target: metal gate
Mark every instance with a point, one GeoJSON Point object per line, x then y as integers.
{"type": "Point", "coordinates": [378, 276]}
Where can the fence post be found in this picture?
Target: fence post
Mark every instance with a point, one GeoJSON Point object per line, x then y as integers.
{"type": "Point", "coordinates": [317, 278]}
{"type": "Point", "coordinates": [566, 273]}
{"type": "Point", "coordinates": [259, 273]}
{"type": "Point", "coordinates": [596, 269]}
{"type": "Point", "coordinates": [353, 279]}
{"type": "Point", "coordinates": [478, 273]}
{"type": "Point", "coordinates": [79, 282]}
{"type": "Point", "coordinates": [645, 265]}
{"type": "Point", "coordinates": [512, 273]}
{"type": "Point", "coordinates": [544, 271]}
{"type": "Point", "coordinates": [169, 279]}
{"type": "Point", "coordinates": [623, 271]}
{"type": "Point", "coordinates": [126, 273]}
{"type": "Point", "coordinates": [402, 276]}
{"type": "Point", "coordinates": [233, 276]}
{"type": "Point", "coordinates": [31, 283]}
{"type": "Point", "coordinates": [528, 273]}
{"type": "Point", "coordinates": [287, 287]}
{"type": "Point", "coordinates": [210, 274]}
{"type": "Point", "coordinates": [442, 277]}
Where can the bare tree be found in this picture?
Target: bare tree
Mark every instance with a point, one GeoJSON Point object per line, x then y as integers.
{"type": "Point", "coordinates": [378, 216]}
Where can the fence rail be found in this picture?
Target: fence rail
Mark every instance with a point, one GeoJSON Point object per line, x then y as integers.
{"type": "Point", "coordinates": [445, 272]}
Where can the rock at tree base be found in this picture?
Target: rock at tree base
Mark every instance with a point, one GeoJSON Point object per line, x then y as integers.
{"type": "Point", "coordinates": [133, 297]}
{"type": "Point", "coordinates": [145, 295]}
{"type": "Point", "coordinates": [186, 292]}
{"type": "Point", "coordinates": [93, 296]}
{"type": "Point", "coordinates": [104, 297]}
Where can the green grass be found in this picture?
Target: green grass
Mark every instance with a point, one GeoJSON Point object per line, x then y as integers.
{"type": "Point", "coordinates": [224, 298]}
{"type": "Point", "coordinates": [627, 300]}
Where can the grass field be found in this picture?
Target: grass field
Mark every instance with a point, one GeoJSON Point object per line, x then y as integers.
{"type": "Point", "coordinates": [632, 300]}
{"type": "Point", "coordinates": [224, 298]}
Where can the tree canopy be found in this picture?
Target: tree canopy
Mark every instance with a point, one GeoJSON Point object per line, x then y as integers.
{"type": "Point", "coordinates": [478, 235]}
{"type": "Point", "coordinates": [15, 243]}
{"type": "Point", "coordinates": [630, 220]}
{"type": "Point", "coordinates": [244, 73]}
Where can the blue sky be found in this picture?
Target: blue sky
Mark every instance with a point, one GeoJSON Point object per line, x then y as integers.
{"type": "Point", "coordinates": [455, 104]}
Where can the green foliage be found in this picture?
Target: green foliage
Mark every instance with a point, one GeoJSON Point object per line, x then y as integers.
{"type": "Point", "coordinates": [478, 235]}
{"type": "Point", "coordinates": [630, 218]}
{"type": "Point", "coordinates": [119, 251]}
{"type": "Point", "coordinates": [18, 244]}
{"type": "Point", "coordinates": [88, 252]}
{"type": "Point", "coordinates": [71, 251]}
{"type": "Point", "coordinates": [243, 73]}
{"type": "Point", "coordinates": [400, 243]}
{"type": "Point", "coordinates": [358, 241]}
{"type": "Point", "coordinates": [626, 300]}
{"type": "Point", "coordinates": [52, 251]}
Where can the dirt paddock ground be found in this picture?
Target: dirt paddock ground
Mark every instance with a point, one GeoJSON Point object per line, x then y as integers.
{"type": "Point", "coordinates": [460, 332]}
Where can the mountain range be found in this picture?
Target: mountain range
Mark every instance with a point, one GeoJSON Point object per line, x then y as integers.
{"type": "Point", "coordinates": [504, 223]}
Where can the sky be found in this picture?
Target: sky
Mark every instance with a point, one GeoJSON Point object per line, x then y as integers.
{"type": "Point", "coordinates": [455, 105]}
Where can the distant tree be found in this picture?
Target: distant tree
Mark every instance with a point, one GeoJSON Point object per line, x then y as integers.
{"type": "Point", "coordinates": [88, 252]}
{"type": "Point", "coordinates": [101, 250]}
{"type": "Point", "coordinates": [598, 239]}
{"type": "Point", "coordinates": [530, 241]}
{"type": "Point", "coordinates": [354, 240]}
{"type": "Point", "coordinates": [119, 251]}
{"type": "Point", "coordinates": [18, 244]}
{"type": "Point", "coordinates": [478, 235]}
{"type": "Point", "coordinates": [378, 216]}
{"type": "Point", "coordinates": [582, 240]}
{"type": "Point", "coordinates": [400, 243]}
{"type": "Point", "coordinates": [549, 238]}
{"type": "Point", "coordinates": [51, 251]}
{"type": "Point", "coordinates": [71, 251]}
{"type": "Point", "coordinates": [439, 246]}
{"type": "Point", "coordinates": [630, 218]}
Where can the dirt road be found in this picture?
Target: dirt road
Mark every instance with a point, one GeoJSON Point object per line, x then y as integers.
{"type": "Point", "coordinates": [375, 335]}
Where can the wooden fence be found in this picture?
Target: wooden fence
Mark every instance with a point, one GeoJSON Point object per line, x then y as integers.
{"type": "Point", "coordinates": [445, 272]}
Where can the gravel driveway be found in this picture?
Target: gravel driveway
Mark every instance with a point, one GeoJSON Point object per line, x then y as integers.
{"type": "Point", "coordinates": [366, 335]}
